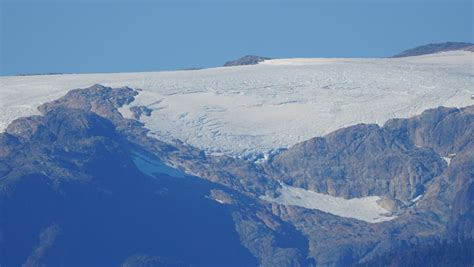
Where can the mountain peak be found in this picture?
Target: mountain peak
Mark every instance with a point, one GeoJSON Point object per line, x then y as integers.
{"type": "Point", "coordinates": [246, 60]}
{"type": "Point", "coordinates": [436, 48]}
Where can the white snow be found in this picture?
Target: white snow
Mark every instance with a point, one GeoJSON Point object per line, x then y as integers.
{"type": "Point", "coordinates": [416, 198]}
{"type": "Point", "coordinates": [126, 112]}
{"type": "Point", "coordinates": [253, 110]}
{"type": "Point", "coordinates": [447, 159]}
{"type": "Point", "coordinates": [364, 209]}
{"type": "Point", "coordinates": [153, 167]}
{"type": "Point", "coordinates": [220, 201]}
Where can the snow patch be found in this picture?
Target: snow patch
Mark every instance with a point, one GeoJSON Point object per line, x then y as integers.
{"type": "Point", "coordinates": [365, 209]}
{"type": "Point", "coordinates": [219, 201]}
{"type": "Point", "coordinates": [153, 167]}
{"type": "Point", "coordinates": [447, 159]}
{"type": "Point", "coordinates": [416, 198]}
{"type": "Point", "coordinates": [126, 112]}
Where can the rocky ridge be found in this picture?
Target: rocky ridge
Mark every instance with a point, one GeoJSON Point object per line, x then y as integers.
{"type": "Point", "coordinates": [246, 60]}
{"type": "Point", "coordinates": [436, 48]}
{"type": "Point", "coordinates": [82, 146]}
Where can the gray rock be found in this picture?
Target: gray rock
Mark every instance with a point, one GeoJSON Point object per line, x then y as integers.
{"type": "Point", "coordinates": [436, 48]}
{"type": "Point", "coordinates": [359, 161]}
{"type": "Point", "coordinates": [246, 60]}
{"type": "Point", "coordinates": [138, 111]}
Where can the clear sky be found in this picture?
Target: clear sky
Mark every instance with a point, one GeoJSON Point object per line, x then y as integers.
{"type": "Point", "coordinates": [122, 36]}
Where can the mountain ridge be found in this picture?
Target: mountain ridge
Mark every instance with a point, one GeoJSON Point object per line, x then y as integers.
{"type": "Point", "coordinates": [433, 48]}
{"type": "Point", "coordinates": [81, 146]}
{"type": "Point", "coordinates": [246, 60]}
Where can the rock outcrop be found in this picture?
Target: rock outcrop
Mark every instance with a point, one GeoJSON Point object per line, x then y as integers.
{"type": "Point", "coordinates": [246, 60]}
{"type": "Point", "coordinates": [436, 48]}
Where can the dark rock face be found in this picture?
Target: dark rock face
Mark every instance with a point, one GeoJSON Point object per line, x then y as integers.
{"type": "Point", "coordinates": [359, 161]}
{"type": "Point", "coordinates": [246, 60]}
{"type": "Point", "coordinates": [436, 48]}
{"type": "Point", "coordinates": [138, 111]}
{"type": "Point", "coordinates": [71, 193]}
{"type": "Point", "coordinates": [440, 253]}
{"type": "Point", "coordinates": [449, 133]}
{"type": "Point", "coordinates": [398, 160]}
{"type": "Point", "coordinates": [445, 130]}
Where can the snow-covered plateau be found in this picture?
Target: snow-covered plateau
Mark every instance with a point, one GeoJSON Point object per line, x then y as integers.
{"type": "Point", "coordinates": [249, 111]}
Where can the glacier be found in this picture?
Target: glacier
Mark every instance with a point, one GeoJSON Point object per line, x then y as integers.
{"type": "Point", "coordinates": [254, 111]}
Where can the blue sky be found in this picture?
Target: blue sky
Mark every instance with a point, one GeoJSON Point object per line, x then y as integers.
{"type": "Point", "coordinates": [121, 36]}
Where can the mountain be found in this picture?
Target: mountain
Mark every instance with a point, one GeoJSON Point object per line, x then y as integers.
{"type": "Point", "coordinates": [245, 60]}
{"type": "Point", "coordinates": [85, 194]}
{"type": "Point", "coordinates": [81, 184]}
{"type": "Point", "coordinates": [291, 162]}
{"type": "Point", "coordinates": [436, 48]}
